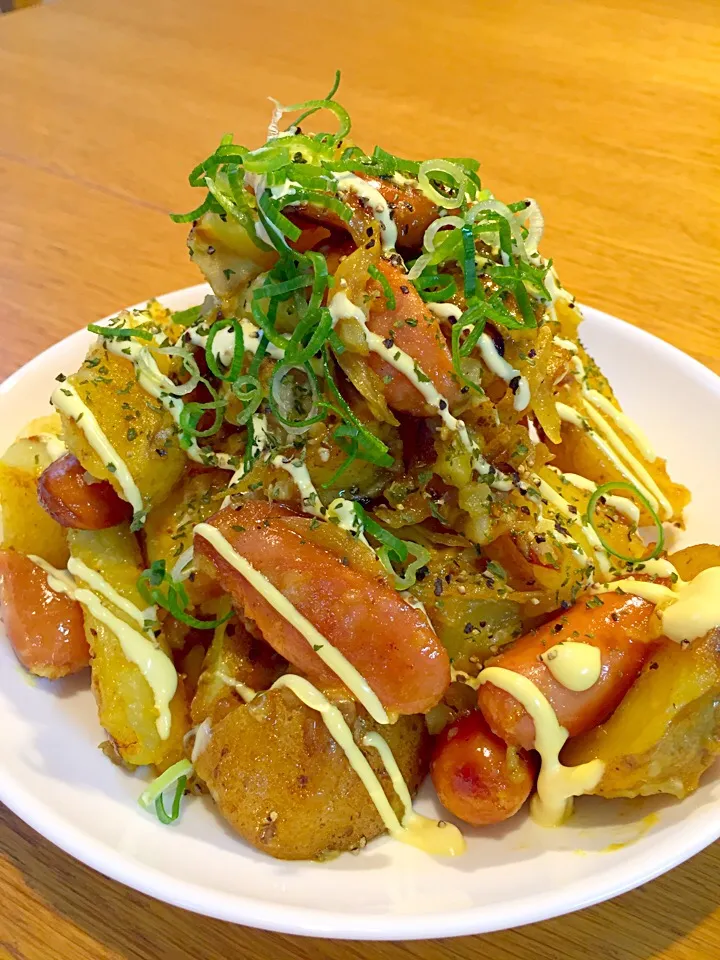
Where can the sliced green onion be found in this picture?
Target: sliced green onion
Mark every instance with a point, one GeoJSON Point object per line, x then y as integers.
{"type": "Point", "coordinates": [408, 168]}
{"type": "Point", "coordinates": [152, 795]}
{"type": "Point", "coordinates": [436, 287]}
{"type": "Point", "coordinates": [312, 106]}
{"type": "Point", "coordinates": [318, 199]}
{"type": "Point", "coordinates": [249, 392]}
{"type": "Point", "coordinates": [233, 370]}
{"type": "Point", "coordinates": [315, 342]}
{"type": "Point", "coordinates": [375, 450]}
{"type": "Point", "coordinates": [303, 420]}
{"type": "Point", "coordinates": [469, 266]}
{"type": "Point", "coordinates": [376, 274]}
{"type": "Point", "coordinates": [174, 598]}
{"type": "Point", "coordinates": [266, 324]}
{"type": "Point", "coordinates": [448, 172]}
{"type": "Point", "coordinates": [271, 156]}
{"type": "Point", "coordinates": [187, 318]}
{"type": "Point", "coordinates": [342, 432]}
{"type": "Point", "coordinates": [281, 289]}
{"type": "Point", "coordinates": [457, 357]}
{"type": "Point", "coordinates": [208, 203]}
{"type": "Point", "coordinates": [281, 224]}
{"type": "Point", "coordinates": [396, 547]}
{"type": "Point", "coordinates": [120, 333]}
{"type": "Point", "coordinates": [602, 491]}
{"type": "Point", "coordinates": [192, 413]}
{"type": "Point", "coordinates": [409, 579]}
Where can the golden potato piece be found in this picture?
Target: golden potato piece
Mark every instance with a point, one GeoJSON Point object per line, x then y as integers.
{"type": "Point", "coordinates": [126, 705]}
{"type": "Point", "coordinates": [26, 527]}
{"type": "Point", "coordinates": [169, 527]}
{"type": "Point", "coordinates": [691, 561]}
{"type": "Point", "coordinates": [666, 731]}
{"type": "Point", "coordinates": [285, 785]}
{"type": "Point", "coordinates": [140, 429]}
{"type": "Point", "coordinates": [233, 658]}
{"type": "Point", "coordinates": [228, 257]}
{"type": "Point", "coordinates": [578, 454]}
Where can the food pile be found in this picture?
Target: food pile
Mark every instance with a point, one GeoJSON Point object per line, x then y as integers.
{"type": "Point", "coordinates": [367, 512]}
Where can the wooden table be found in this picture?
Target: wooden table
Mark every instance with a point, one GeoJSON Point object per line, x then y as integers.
{"type": "Point", "coordinates": [607, 112]}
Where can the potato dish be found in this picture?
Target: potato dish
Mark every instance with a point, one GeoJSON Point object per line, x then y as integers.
{"type": "Point", "coordinates": [369, 513]}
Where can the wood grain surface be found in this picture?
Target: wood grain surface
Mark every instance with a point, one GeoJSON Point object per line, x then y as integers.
{"type": "Point", "coordinates": [606, 112]}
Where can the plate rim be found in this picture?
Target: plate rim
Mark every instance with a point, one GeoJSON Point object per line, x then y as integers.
{"type": "Point", "coordinates": [306, 921]}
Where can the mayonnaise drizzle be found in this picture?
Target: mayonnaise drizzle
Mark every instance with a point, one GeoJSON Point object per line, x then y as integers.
{"type": "Point", "coordinates": [342, 308]}
{"type": "Point", "coordinates": [565, 344]}
{"type": "Point", "coordinates": [414, 829]}
{"type": "Point", "coordinates": [557, 784]}
{"type": "Point", "coordinates": [157, 385]}
{"type": "Point", "coordinates": [446, 311]}
{"type": "Point", "coordinates": [155, 666]}
{"type": "Point", "coordinates": [242, 689]}
{"type": "Point", "coordinates": [608, 442]}
{"type": "Point", "coordinates": [496, 363]}
{"type": "Point", "coordinates": [551, 495]}
{"type": "Point", "coordinates": [627, 425]}
{"type": "Point", "coordinates": [67, 400]}
{"type": "Point", "coordinates": [260, 444]}
{"type": "Point", "coordinates": [570, 415]}
{"type": "Point", "coordinates": [687, 609]}
{"type": "Point", "coordinates": [576, 666]}
{"type": "Point", "coordinates": [368, 191]}
{"type": "Point", "coordinates": [81, 571]}
{"type": "Point", "coordinates": [340, 511]}
{"type": "Point", "coordinates": [223, 347]}
{"type": "Point", "coordinates": [330, 655]}
{"type": "Point", "coordinates": [623, 505]}
{"type": "Point", "coordinates": [203, 733]}
{"type": "Point", "coordinates": [501, 368]}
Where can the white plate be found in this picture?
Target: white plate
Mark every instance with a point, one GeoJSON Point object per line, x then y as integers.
{"type": "Point", "coordinates": [54, 777]}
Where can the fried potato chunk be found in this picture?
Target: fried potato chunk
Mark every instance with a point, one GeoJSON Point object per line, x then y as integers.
{"type": "Point", "coordinates": [26, 527]}
{"type": "Point", "coordinates": [139, 428]}
{"type": "Point", "coordinates": [666, 732]}
{"type": "Point", "coordinates": [286, 786]}
{"type": "Point", "coordinates": [126, 705]}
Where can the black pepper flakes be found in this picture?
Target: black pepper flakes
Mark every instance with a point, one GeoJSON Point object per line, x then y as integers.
{"type": "Point", "coordinates": [438, 588]}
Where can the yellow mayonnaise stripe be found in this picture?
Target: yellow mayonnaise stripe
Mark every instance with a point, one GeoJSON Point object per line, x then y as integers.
{"type": "Point", "coordinates": [593, 402]}
{"type": "Point", "coordinates": [570, 415]}
{"type": "Point", "coordinates": [687, 609]}
{"type": "Point", "coordinates": [413, 830]}
{"type": "Point", "coordinates": [576, 666]}
{"type": "Point", "coordinates": [99, 584]}
{"type": "Point", "coordinates": [557, 784]}
{"type": "Point", "coordinates": [437, 837]}
{"type": "Point", "coordinates": [155, 666]}
{"type": "Point", "coordinates": [67, 400]}
{"type": "Point", "coordinates": [330, 655]}
{"type": "Point", "coordinates": [157, 385]}
{"type": "Point", "coordinates": [628, 426]}
{"type": "Point", "coordinates": [643, 478]}
{"type": "Point", "coordinates": [341, 511]}
{"type": "Point", "coordinates": [555, 499]}
{"type": "Point", "coordinates": [622, 505]}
